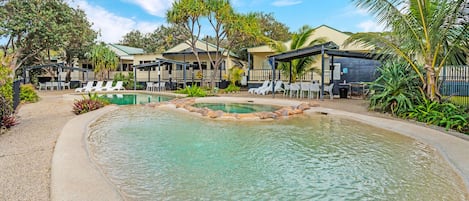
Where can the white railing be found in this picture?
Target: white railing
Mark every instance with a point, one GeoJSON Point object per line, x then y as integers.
{"type": "Point", "coordinates": [259, 75]}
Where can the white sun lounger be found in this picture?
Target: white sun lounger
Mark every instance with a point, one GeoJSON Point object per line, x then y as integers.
{"type": "Point", "coordinates": [87, 88]}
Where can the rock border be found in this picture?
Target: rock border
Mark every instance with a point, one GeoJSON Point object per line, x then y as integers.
{"type": "Point", "coordinates": [186, 104]}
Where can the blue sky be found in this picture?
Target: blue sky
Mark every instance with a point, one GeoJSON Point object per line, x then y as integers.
{"type": "Point", "coordinates": [114, 18]}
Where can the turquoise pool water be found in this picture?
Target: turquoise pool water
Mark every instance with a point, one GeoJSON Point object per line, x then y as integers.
{"type": "Point", "coordinates": [158, 154]}
{"type": "Point", "coordinates": [133, 99]}
{"type": "Point", "coordinates": [238, 107]}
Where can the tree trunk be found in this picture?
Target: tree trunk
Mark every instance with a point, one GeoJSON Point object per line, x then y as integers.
{"type": "Point", "coordinates": [431, 85]}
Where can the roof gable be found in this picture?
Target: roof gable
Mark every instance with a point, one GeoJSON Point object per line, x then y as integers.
{"type": "Point", "coordinates": [323, 31]}
{"type": "Point", "coordinates": [201, 46]}
{"type": "Point", "coordinates": [123, 50]}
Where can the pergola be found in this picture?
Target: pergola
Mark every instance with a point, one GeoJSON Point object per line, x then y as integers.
{"type": "Point", "coordinates": [329, 48]}
{"type": "Point", "coordinates": [59, 66]}
{"type": "Point", "coordinates": [158, 63]}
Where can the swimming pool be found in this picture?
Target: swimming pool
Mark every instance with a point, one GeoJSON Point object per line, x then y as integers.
{"type": "Point", "coordinates": [162, 154]}
{"type": "Point", "coordinates": [133, 99]}
{"type": "Point", "coordinates": [240, 108]}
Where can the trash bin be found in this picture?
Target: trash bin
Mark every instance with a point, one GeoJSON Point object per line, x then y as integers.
{"type": "Point", "coordinates": [343, 92]}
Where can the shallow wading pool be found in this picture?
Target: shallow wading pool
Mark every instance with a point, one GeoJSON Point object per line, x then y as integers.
{"type": "Point", "coordinates": [165, 154]}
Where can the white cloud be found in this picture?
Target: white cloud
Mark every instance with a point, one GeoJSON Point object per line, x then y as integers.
{"type": "Point", "coordinates": [370, 26]}
{"type": "Point", "coordinates": [280, 3]}
{"type": "Point", "coordinates": [111, 26]}
{"type": "Point", "coordinates": [154, 7]}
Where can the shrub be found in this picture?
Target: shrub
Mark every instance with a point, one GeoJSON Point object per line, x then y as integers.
{"type": "Point", "coordinates": [447, 115]}
{"type": "Point", "coordinates": [396, 90]}
{"type": "Point", "coordinates": [232, 88]}
{"type": "Point", "coordinates": [128, 81]}
{"type": "Point", "coordinates": [7, 118]}
{"type": "Point", "coordinates": [193, 91]}
{"type": "Point", "coordinates": [28, 94]}
{"type": "Point", "coordinates": [90, 103]}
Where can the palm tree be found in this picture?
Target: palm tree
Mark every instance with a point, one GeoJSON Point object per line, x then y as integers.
{"type": "Point", "coordinates": [103, 59]}
{"type": "Point", "coordinates": [299, 40]}
{"type": "Point", "coordinates": [427, 34]}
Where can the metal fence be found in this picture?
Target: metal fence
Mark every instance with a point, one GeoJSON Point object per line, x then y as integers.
{"type": "Point", "coordinates": [455, 84]}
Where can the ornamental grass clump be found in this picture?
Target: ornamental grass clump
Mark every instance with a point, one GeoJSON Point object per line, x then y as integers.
{"type": "Point", "coordinates": [87, 104]}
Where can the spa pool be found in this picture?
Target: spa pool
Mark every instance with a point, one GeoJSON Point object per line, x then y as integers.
{"type": "Point", "coordinates": [239, 108]}
{"type": "Point", "coordinates": [162, 154]}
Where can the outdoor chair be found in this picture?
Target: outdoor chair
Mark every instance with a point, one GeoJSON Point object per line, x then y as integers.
{"type": "Point", "coordinates": [328, 89]}
{"type": "Point", "coordinates": [49, 85]}
{"type": "Point", "coordinates": [98, 86]}
{"type": "Point", "coordinates": [65, 85]}
{"type": "Point", "coordinates": [119, 86]}
{"type": "Point", "coordinates": [150, 86]}
{"type": "Point", "coordinates": [107, 87]}
{"type": "Point", "coordinates": [261, 90]}
{"type": "Point", "coordinates": [277, 87]}
{"type": "Point", "coordinates": [161, 86]}
{"type": "Point", "coordinates": [42, 86]}
{"type": "Point", "coordinates": [254, 89]}
{"type": "Point", "coordinates": [294, 89]}
{"type": "Point", "coordinates": [314, 88]}
{"type": "Point", "coordinates": [305, 87]}
{"type": "Point", "coordinates": [87, 88]}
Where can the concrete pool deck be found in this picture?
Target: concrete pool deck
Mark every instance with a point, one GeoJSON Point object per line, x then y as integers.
{"type": "Point", "coordinates": [84, 185]}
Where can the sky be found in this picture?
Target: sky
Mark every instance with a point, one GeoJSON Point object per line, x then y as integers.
{"type": "Point", "coordinates": [114, 18]}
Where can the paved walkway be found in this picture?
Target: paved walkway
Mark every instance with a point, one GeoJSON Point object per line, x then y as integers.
{"type": "Point", "coordinates": [26, 150]}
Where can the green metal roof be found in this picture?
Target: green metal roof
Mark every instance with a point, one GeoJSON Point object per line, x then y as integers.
{"type": "Point", "coordinates": [128, 50]}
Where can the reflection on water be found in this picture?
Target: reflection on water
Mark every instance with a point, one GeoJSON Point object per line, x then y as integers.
{"type": "Point", "coordinates": [159, 154]}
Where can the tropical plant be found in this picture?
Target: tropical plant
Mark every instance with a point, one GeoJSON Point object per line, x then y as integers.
{"type": "Point", "coordinates": [396, 90]}
{"type": "Point", "coordinates": [128, 81]}
{"type": "Point", "coordinates": [444, 114]}
{"type": "Point", "coordinates": [235, 75]}
{"type": "Point", "coordinates": [89, 103]}
{"type": "Point", "coordinates": [103, 59]}
{"type": "Point", "coordinates": [28, 94]}
{"type": "Point", "coordinates": [232, 88]}
{"type": "Point", "coordinates": [193, 91]}
{"type": "Point", "coordinates": [224, 21]}
{"type": "Point", "coordinates": [299, 40]}
{"type": "Point", "coordinates": [424, 33]}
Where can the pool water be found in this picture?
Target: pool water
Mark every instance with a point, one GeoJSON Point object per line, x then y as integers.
{"type": "Point", "coordinates": [133, 99]}
{"type": "Point", "coordinates": [161, 154]}
{"type": "Point", "coordinates": [238, 107]}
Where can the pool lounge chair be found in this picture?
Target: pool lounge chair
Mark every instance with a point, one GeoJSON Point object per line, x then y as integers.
{"type": "Point", "coordinates": [277, 88]}
{"type": "Point", "coordinates": [87, 88]}
{"type": "Point", "coordinates": [119, 86]}
{"type": "Point", "coordinates": [107, 87]}
{"type": "Point", "coordinates": [99, 85]}
{"type": "Point", "coordinates": [254, 89]}
{"type": "Point", "coordinates": [261, 90]}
